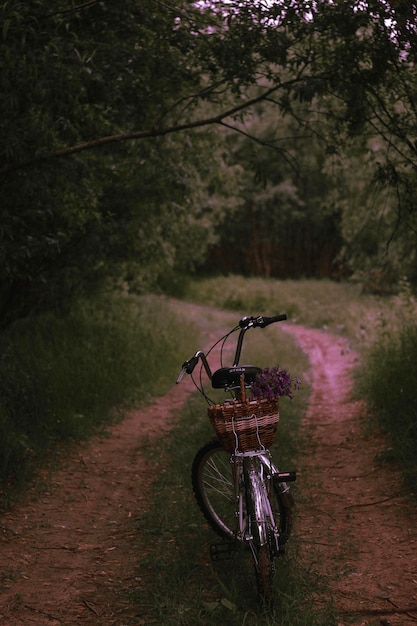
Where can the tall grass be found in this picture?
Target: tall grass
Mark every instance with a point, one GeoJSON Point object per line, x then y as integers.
{"type": "Point", "coordinates": [62, 378]}
{"type": "Point", "coordinates": [389, 382]}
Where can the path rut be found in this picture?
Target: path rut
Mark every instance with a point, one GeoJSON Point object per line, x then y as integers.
{"type": "Point", "coordinates": [359, 521]}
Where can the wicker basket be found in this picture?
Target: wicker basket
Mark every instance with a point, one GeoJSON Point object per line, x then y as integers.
{"type": "Point", "coordinates": [245, 425]}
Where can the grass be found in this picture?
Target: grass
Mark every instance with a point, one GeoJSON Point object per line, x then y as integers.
{"type": "Point", "coordinates": [390, 387]}
{"type": "Point", "coordinates": [62, 378]}
{"type": "Point", "coordinates": [184, 586]}
{"type": "Point", "coordinates": [340, 308]}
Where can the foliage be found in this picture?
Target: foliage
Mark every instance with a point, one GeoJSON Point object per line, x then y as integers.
{"type": "Point", "coordinates": [348, 80]}
{"type": "Point", "coordinates": [91, 124]}
{"type": "Point", "coordinates": [286, 224]}
{"type": "Point", "coordinates": [71, 224]}
{"type": "Point", "coordinates": [361, 81]}
{"type": "Point", "coordinates": [390, 388]}
{"type": "Point", "coordinates": [62, 378]}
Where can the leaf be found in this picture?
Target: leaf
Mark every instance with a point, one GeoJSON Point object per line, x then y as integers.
{"type": "Point", "coordinates": [229, 605]}
{"type": "Point", "coordinates": [6, 26]}
{"type": "Point", "coordinates": [210, 606]}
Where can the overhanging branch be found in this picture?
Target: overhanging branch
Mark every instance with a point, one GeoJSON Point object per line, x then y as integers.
{"type": "Point", "coordinates": [138, 135]}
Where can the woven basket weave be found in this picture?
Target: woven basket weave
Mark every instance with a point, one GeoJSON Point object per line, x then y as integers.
{"type": "Point", "coordinates": [245, 425]}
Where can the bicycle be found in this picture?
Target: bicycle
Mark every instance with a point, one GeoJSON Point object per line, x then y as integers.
{"type": "Point", "coordinates": [238, 488]}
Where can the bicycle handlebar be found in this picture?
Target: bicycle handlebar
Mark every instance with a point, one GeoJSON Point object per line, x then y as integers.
{"type": "Point", "coordinates": [244, 324]}
{"type": "Point", "coordinates": [261, 321]}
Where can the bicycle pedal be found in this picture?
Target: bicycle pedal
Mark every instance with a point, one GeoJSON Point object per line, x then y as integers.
{"type": "Point", "coordinates": [220, 551]}
{"type": "Point", "coordinates": [285, 477]}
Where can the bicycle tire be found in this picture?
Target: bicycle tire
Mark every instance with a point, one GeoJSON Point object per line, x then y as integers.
{"type": "Point", "coordinates": [265, 570]}
{"type": "Point", "coordinates": [212, 480]}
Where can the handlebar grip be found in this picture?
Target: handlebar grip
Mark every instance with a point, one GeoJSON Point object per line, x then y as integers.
{"type": "Point", "coordinates": [188, 367]}
{"type": "Point", "coordinates": [265, 321]}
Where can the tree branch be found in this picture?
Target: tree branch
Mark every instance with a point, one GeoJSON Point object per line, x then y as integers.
{"type": "Point", "coordinates": [266, 144]}
{"type": "Point", "coordinates": [74, 9]}
{"type": "Point", "coordinates": [139, 134]}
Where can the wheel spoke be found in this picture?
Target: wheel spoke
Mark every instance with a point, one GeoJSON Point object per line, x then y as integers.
{"type": "Point", "coordinates": [216, 480]}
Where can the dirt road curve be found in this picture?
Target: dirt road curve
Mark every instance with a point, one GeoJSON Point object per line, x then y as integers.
{"type": "Point", "coordinates": [67, 554]}
{"type": "Point", "coordinates": [359, 524]}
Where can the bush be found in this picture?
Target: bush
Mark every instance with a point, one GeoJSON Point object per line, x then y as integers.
{"type": "Point", "coordinates": [390, 385]}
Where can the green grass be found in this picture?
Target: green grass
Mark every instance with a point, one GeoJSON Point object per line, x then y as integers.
{"type": "Point", "coordinates": [181, 585]}
{"type": "Point", "coordinates": [340, 308]}
{"type": "Point", "coordinates": [62, 378]}
{"type": "Point", "coordinates": [389, 383]}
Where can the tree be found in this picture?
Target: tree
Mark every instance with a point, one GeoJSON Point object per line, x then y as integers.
{"type": "Point", "coordinates": [286, 224]}
{"type": "Point", "coordinates": [349, 72]}
{"type": "Point", "coordinates": [101, 99]}
{"type": "Point", "coordinates": [69, 224]}
{"type": "Point", "coordinates": [362, 82]}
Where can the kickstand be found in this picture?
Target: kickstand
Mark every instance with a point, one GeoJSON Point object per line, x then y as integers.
{"type": "Point", "coordinates": [221, 551]}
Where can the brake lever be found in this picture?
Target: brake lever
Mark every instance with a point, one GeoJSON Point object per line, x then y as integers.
{"type": "Point", "coordinates": [181, 375]}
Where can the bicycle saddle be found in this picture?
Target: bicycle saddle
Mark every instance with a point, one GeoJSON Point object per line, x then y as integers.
{"type": "Point", "coordinates": [229, 377]}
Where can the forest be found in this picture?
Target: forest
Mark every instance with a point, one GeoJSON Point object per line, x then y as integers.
{"type": "Point", "coordinates": [145, 141]}
{"type": "Point", "coordinates": [150, 143]}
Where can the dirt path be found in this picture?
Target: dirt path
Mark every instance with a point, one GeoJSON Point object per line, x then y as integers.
{"type": "Point", "coordinates": [68, 555]}
{"type": "Point", "coordinates": [359, 525]}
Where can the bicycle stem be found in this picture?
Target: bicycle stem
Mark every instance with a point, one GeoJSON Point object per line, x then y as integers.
{"type": "Point", "coordinates": [239, 346]}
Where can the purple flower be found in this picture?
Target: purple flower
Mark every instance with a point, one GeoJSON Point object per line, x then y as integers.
{"type": "Point", "coordinates": [274, 383]}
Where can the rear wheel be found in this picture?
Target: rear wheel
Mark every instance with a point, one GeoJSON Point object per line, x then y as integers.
{"type": "Point", "coordinates": [265, 570]}
{"type": "Point", "coordinates": [264, 543]}
{"type": "Point", "coordinates": [214, 488]}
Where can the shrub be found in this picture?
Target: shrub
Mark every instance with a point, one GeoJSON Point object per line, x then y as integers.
{"type": "Point", "coordinates": [390, 384]}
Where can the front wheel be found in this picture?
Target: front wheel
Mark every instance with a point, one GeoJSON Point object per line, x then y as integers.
{"type": "Point", "coordinates": [214, 479]}
{"type": "Point", "coordinates": [213, 485]}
